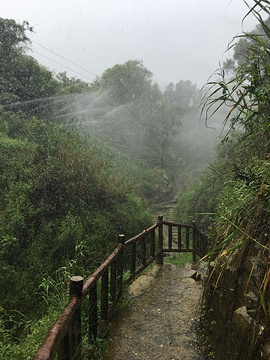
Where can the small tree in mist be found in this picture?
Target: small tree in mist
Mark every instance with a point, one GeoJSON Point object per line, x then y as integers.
{"type": "Point", "coordinates": [128, 82]}
{"type": "Point", "coordinates": [161, 128]}
{"type": "Point", "coordinates": [141, 120]}
{"type": "Point", "coordinates": [184, 94]}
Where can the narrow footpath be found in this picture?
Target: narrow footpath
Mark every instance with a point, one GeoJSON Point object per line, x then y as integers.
{"type": "Point", "coordinates": [160, 321]}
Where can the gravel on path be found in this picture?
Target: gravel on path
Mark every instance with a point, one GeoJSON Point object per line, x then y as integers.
{"type": "Point", "coordinates": [160, 324]}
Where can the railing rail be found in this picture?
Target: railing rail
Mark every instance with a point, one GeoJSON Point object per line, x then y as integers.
{"type": "Point", "coordinates": [104, 287]}
{"type": "Point", "coordinates": [189, 239]}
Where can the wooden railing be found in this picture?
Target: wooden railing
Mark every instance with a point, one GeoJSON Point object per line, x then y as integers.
{"type": "Point", "coordinates": [187, 238]}
{"type": "Point", "coordinates": [104, 287]}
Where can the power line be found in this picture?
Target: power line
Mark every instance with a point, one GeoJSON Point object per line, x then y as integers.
{"type": "Point", "coordinates": [62, 65]}
{"type": "Point", "coordinates": [62, 57]}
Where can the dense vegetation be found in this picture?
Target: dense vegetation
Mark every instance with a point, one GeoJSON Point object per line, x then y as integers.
{"type": "Point", "coordinates": [79, 164]}
{"type": "Point", "coordinates": [63, 202]}
{"type": "Point", "coordinates": [242, 88]}
{"type": "Point", "coordinates": [232, 201]}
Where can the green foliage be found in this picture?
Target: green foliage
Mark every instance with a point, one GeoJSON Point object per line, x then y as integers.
{"type": "Point", "coordinates": [161, 129]}
{"type": "Point", "coordinates": [22, 78]}
{"type": "Point", "coordinates": [57, 192]}
{"type": "Point", "coordinates": [62, 206]}
{"type": "Point", "coordinates": [184, 94]}
{"type": "Point", "coordinates": [243, 210]}
{"type": "Point", "coordinates": [246, 93]}
{"type": "Point", "coordinates": [71, 85]}
{"type": "Point", "coordinates": [31, 339]}
{"type": "Point", "coordinates": [239, 252]}
{"type": "Point", "coordinates": [13, 35]}
{"type": "Point", "coordinates": [64, 197]}
{"type": "Point", "coordinates": [135, 116]}
{"type": "Point", "coordinates": [128, 82]}
{"type": "Point", "coordinates": [185, 210]}
{"type": "Point", "coordinates": [199, 202]}
{"type": "Point", "coordinates": [180, 259]}
{"type": "Point", "coordinates": [7, 349]}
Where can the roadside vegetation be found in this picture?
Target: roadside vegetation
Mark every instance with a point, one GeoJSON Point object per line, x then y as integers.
{"type": "Point", "coordinates": [232, 200]}
{"type": "Point", "coordinates": [243, 154]}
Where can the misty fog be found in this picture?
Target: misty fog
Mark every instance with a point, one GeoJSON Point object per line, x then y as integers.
{"type": "Point", "coordinates": [131, 74]}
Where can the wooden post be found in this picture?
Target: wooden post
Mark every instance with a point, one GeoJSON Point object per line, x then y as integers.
{"type": "Point", "coordinates": [120, 270]}
{"type": "Point", "coordinates": [159, 259]}
{"type": "Point", "coordinates": [194, 241]}
{"type": "Point", "coordinates": [113, 282]}
{"type": "Point", "coordinates": [179, 237]}
{"type": "Point", "coordinates": [143, 255]}
{"type": "Point", "coordinates": [92, 320]}
{"type": "Point", "coordinates": [104, 297]}
{"type": "Point", "coordinates": [153, 243]}
{"type": "Point", "coordinates": [204, 245]}
{"type": "Point", "coordinates": [133, 259]}
{"type": "Point", "coordinates": [75, 289]}
{"type": "Point", "coordinates": [170, 236]}
{"type": "Point", "coordinates": [93, 314]}
{"type": "Point", "coordinates": [64, 348]}
{"type": "Point", "coordinates": [187, 238]}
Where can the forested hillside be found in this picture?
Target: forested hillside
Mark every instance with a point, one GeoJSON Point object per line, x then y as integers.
{"type": "Point", "coordinates": [62, 202]}
{"type": "Point", "coordinates": [80, 163]}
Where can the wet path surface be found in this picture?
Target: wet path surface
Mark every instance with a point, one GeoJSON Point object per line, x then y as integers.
{"type": "Point", "coordinates": [160, 323]}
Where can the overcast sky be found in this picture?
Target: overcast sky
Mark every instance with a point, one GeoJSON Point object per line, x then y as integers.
{"type": "Point", "coordinates": [175, 39]}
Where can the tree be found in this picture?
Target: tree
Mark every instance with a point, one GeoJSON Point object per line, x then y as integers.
{"type": "Point", "coordinates": [245, 43]}
{"type": "Point", "coordinates": [13, 36]}
{"type": "Point", "coordinates": [137, 116]}
{"type": "Point", "coordinates": [71, 85]}
{"type": "Point", "coordinates": [12, 42]}
{"type": "Point", "coordinates": [161, 127]}
{"type": "Point", "coordinates": [183, 93]}
{"type": "Point", "coordinates": [22, 78]}
{"type": "Point", "coordinates": [127, 82]}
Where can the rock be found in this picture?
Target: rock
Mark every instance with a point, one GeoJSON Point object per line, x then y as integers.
{"type": "Point", "coordinates": [232, 294]}
{"type": "Point", "coordinates": [244, 333]}
{"type": "Point", "coordinates": [265, 353]}
{"type": "Point", "coordinates": [142, 283]}
{"type": "Point", "coordinates": [251, 300]}
{"type": "Point", "coordinates": [241, 320]}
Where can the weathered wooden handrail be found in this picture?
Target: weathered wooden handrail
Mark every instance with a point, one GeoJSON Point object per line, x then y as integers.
{"type": "Point", "coordinates": [58, 331]}
{"type": "Point", "coordinates": [170, 223]}
{"type": "Point", "coordinates": [145, 232]}
{"type": "Point", "coordinates": [140, 258]}
{"type": "Point", "coordinates": [189, 239]}
{"type": "Point", "coordinates": [129, 258]}
{"type": "Point", "coordinates": [100, 271]}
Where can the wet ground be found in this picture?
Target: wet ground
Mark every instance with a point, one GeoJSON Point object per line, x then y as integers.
{"type": "Point", "coordinates": [160, 322]}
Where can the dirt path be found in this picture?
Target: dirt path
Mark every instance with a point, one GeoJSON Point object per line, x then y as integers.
{"type": "Point", "coordinates": [160, 323]}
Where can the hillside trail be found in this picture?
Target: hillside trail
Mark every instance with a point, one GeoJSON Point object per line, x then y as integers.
{"type": "Point", "coordinates": [160, 320]}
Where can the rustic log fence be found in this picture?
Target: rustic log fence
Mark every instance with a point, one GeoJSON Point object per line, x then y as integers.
{"type": "Point", "coordinates": [104, 287]}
